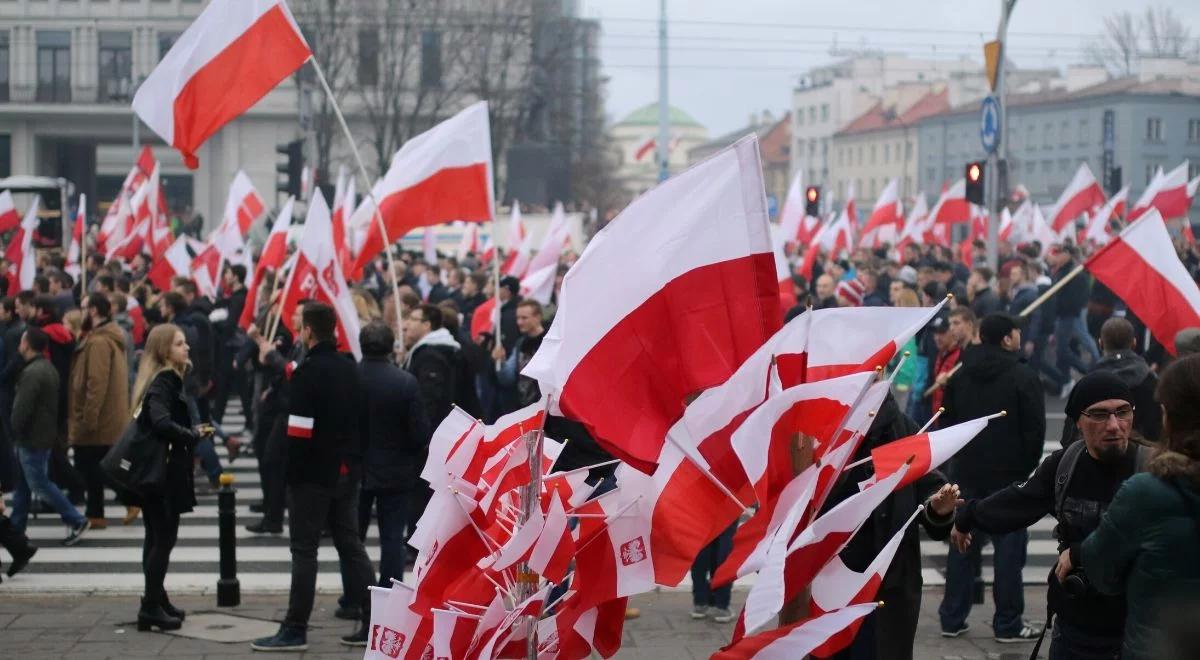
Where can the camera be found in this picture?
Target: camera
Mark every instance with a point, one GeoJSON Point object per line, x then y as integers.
{"type": "Point", "coordinates": [1076, 583]}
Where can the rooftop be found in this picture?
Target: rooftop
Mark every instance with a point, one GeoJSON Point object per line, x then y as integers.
{"type": "Point", "coordinates": [880, 117]}
{"type": "Point", "coordinates": [648, 116]}
{"type": "Point", "coordinates": [1131, 85]}
{"type": "Point", "coordinates": [774, 138]}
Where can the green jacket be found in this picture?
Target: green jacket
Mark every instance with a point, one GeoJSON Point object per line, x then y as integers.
{"type": "Point", "coordinates": [35, 408]}
{"type": "Point", "coordinates": [1146, 547]}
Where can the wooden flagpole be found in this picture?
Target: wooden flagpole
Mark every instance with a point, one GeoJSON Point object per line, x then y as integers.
{"type": "Point", "coordinates": [1052, 290]}
{"type": "Point", "coordinates": [362, 170]}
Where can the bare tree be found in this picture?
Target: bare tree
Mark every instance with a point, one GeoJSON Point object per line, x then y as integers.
{"type": "Point", "coordinates": [1166, 35]}
{"type": "Point", "coordinates": [327, 26]}
{"type": "Point", "coordinates": [1117, 48]}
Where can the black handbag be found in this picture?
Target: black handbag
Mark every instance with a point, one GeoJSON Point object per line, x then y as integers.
{"type": "Point", "coordinates": [138, 462]}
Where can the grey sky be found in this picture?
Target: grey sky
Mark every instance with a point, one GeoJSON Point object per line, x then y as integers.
{"type": "Point", "coordinates": [733, 57]}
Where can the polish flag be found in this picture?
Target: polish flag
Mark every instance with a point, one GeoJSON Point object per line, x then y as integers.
{"type": "Point", "coordinates": [230, 57]}
{"type": "Point", "coordinates": [952, 207]}
{"type": "Point", "coordinates": [783, 272]}
{"type": "Point", "coordinates": [343, 209]}
{"type": "Point", "coordinates": [1006, 225]}
{"type": "Point", "coordinates": [452, 447]}
{"type": "Point", "coordinates": [469, 243]}
{"type": "Point", "coordinates": [488, 252]}
{"type": "Point", "coordinates": [73, 267]}
{"type": "Point", "coordinates": [113, 226]}
{"type": "Point", "coordinates": [20, 254]}
{"type": "Point", "coordinates": [1040, 229]}
{"type": "Point", "coordinates": [792, 216]}
{"type": "Point", "coordinates": [176, 262]}
{"type": "Point", "coordinates": [453, 633]}
{"type": "Point", "coordinates": [1080, 196]}
{"type": "Point", "coordinates": [578, 632]}
{"type": "Point", "coordinates": [786, 574]}
{"type": "Point", "coordinates": [685, 270]}
{"type": "Point", "coordinates": [484, 318]}
{"type": "Point", "coordinates": [1169, 193]}
{"type": "Point", "coordinates": [9, 218]}
{"type": "Point", "coordinates": [837, 587]}
{"type": "Point", "coordinates": [915, 225]}
{"type": "Point", "coordinates": [226, 245]}
{"type": "Point", "coordinates": [796, 640]}
{"type": "Point", "coordinates": [520, 245]}
{"type": "Point", "coordinates": [613, 554]}
{"type": "Point", "coordinates": [1140, 266]}
{"type": "Point", "coordinates": [555, 547]}
{"type": "Point", "coordinates": [557, 238]}
{"type": "Point", "coordinates": [539, 284]}
{"type": "Point", "coordinates": [397, 632]}
{"type": "Point", "coordinates": [888, 211]}
{"type": "Point", "coordinates": [505, 431]}
{"type": "Point", "coordinates": [243, 204]}
{"type": "Point", "coordinates": [429, 246]}
{"type": "Point", "coordinates": [927, 450]}
{"type": "Point", "coordinates": [512, 628]}
{"type": "Point", "coordinates": [441, 175]}
{"type": "Point", "coordinates": [839, 236]}
{"type": "Point", "coordinates": [813, 249]}
{"type": "Point", "coordinates": [318, 276]}
{"type": "Point", "coordinates": [456, 547]}
{"type": "Point", "coordinates": [518, 547]}
{"type": "Point", "coordinates": [1097, 225]}
{"type": "Point", "coordinates": [274, 253]}
{"type": "Point", "coordinates": [690, 511]}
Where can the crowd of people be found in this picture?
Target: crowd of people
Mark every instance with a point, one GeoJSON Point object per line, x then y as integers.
{"type": "Point", "coordinates": [341, 444]}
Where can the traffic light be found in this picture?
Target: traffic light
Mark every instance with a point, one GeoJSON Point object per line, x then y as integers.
{"type": "Point", "coordinates": [975, 182]}
{"type": "Point", "coordinates": [812, 201]}
{"type": "Point", "coordinates": [293, 169]}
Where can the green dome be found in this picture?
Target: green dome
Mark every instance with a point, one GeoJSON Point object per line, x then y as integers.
{"type": "Point", "coordinates": [648, 116]}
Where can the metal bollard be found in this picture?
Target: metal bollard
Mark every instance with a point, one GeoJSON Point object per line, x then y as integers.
{"type": "Point", "coordinates": [229, 590]}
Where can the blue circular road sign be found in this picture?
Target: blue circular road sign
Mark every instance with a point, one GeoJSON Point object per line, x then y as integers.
{"type": "Point", "coordinates": [989, 124]}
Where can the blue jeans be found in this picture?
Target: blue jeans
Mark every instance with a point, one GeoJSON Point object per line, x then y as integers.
{"type": "Point", "coordinates": [705, 566]}
{"type": "Point", "coordinates": [1007, 589]}
{"type": "Point", "coordinates": [35, 478]}
{"type": "Point", "coordinates": [1066, 329]}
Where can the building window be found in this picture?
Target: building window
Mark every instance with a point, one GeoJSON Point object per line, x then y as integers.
{"type": "Point", "coordinates": [1154, 129]}
{"type": "Point", "coordinates": [1193, 124]}
{"type": "Point", "coordinates": [824, 147]}
{"type": "Point", "coordinates": [800, 117]}
{"type": "Point", "coordinates": [872, 154]}
{"type": "Point", "coordinates": [431, 59]}
{"type": "Point", "coordinates": [1083, 132]}
{"type": "Point", "coordinates": [907, 186]}
{"type": "Point", "coordinates": [165, 41]}
{"type": "Point", "coordinates": [873, 188]}
{"type": "Point", "coordinates": [1047, 138]}
{"type": "Point", "coordinates": [859, 160]}
{"type": "Point", "coordinates": [887, 153]}
{"type": "Point", "coordinates": [1030, 137]}
{"type": "Point", "coordinates": [54, 66]}
{"type": "Point", "coordinates": [1032, 167]}
{"type": "Point", "coordinates": [368, 57]}
{"type": "Point", "coordinates": [1193, 170]}
{"type": "Point", "coordinates": [908, 150]}
{"type": "Point", "coordinates": [1064, 164]}
{"type": "Point", "coordinates": [4, 69]}
{"type": "Point", "coordinates": [824, 112]}
{"type": "Point", "coordinates": [1064, 133]}
{"type": "Point", "coordinates": [1151, 168]}
{"type": "Point", "coordinates": [931, 175]}
{"type": "Point", "coordinates": [116, 64]}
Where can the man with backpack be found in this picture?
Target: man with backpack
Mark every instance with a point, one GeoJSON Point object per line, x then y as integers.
{"type": "Point", "coordinates": [1074, 484]}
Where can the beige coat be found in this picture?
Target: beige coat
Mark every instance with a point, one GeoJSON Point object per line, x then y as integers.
{"type": "Point", "coordinates": [98, 401]}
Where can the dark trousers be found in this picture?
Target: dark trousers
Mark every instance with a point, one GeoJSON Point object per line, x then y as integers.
{"type": "Point", "coordinates": [1007, 590]}
{"type": "Point", "coordinates": [310, 509]}
{"type": "Point", "coordinates": [65, 476]}
{"type": "Point", "coordinates": [890, 632]}
{"type": "Point", "coordinates": [162, 530]}
{"type": "Point", "coordinates": [705, 566]}
{"type": "Point", "coordinates": [391, 509]}
{"type": "Point", "coordinates": [1069, 643]}
{"type": "Point", "coordinates": [8, 459]}
{"type": "Point", "coordinates": [87, 461]}
{"type": "Point", "coordinates": [272, 467]}
{"type": "Point", "coordinates": [12, 539]}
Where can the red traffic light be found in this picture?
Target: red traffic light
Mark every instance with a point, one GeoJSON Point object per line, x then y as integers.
{"type": "Point", "coordinates": [974, 172]}
{"type": "Point", "coordinates": [813, 194]}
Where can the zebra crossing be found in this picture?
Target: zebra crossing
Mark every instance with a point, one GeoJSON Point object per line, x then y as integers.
{"type": "Point", "coordinates": [109, 560]}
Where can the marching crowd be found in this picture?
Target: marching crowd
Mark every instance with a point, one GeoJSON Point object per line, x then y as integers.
{"type": "Point", "coordinates": [340, 443]}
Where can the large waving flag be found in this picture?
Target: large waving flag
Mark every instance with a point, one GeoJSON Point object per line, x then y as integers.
{"type": "Point", "coordinates": [441, 175]}
{"type": "Point", "coordinates": [1140, 265]}
{"type": "Point", "coordinates": [230, 57]}
{"type": "Point", "coordinates": [796, 640]}
{"type": "Point", "coordinates": [317, 275]}
{"type": "Point", "coordinates": [952, 207]}
{"type": "Point", "coordinates": [1169, 193]}
{"type": "Point", "coordinates": [9, 218]}
{"type": "Point", "coordinates": [274, 253]}
{"type": "Point", "coordinates": [667, 300]}
{"type": "Point", "coordinates": [20, 254]}
{"type": "Point", "coordinates": [888, 212]}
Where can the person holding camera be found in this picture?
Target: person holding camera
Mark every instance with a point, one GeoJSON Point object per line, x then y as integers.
{"type": "Point", "coordinates": [1075, 484]}
{"type": "Point", "coordinates": [160, 408]}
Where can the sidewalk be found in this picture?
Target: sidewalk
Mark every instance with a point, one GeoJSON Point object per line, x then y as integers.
{"type": "Point", "coordinates": [97, 627]}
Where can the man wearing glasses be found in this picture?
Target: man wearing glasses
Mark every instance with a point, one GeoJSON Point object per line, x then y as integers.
{"type": "Point", "coordinates": [1075, 485]}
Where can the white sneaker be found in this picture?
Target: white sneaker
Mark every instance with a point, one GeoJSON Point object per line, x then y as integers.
{"type": "Point", "coordinates": [1027, 633]}
{"type": "Point", "coordinates": [699, 612]}
{"type": "Point", "coordinates": [720, 615]}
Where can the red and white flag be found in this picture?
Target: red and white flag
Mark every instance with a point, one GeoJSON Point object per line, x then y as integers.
{"type": "Point", "coordinates": [318, 276]}
{"type": "Point", "coordinates": [783, 271]}
{"type": "Point", "coordinates": [452, 447]}
{"type": "Point", "coordinates": [520, 245]}
{"type": "Point", "coordinates": [176, 262]}
{"type": "Point", "coordinates": [20, 254]}
{"type": "Point", "coordinates": [234, 53]}
{"type": "Point", "coordinates": [243, 204]}
{"type": "Point", "coordinates": [441, 175]}
{"type": "Point", "coordinates": [453, 633]}
{"type": "Point", "coordinates": [795, 208]}
{"type": "Point", "coordinates": [796, 640]}
{"type": "Point", "coordinates": [952, 207]}
{"type": "Point", "coordinates": [915, 225]}
{"type": "Point", "coordinates": [1169, 193]}
{"type": "Point", "coordinates": [78, 232]}
{"type": "Point", "coordinates": [837, 587]}
{"type": "Point", "coordinates": [1097, 230]}
{"type": "Point", "coordinates": [274, 253]}
{"type": "Point", "coordinates": [1140, 266]}
{"type": "Point", "coordinates": [686, 269]}
{"type": "Point", "coordinates": [429, 246]}
{"type": "Point", "coordinates": [927, 450]}
{"type": "Point", "coordinates": [888, 212]}
{"type": "Point", "coordinates": [343, 208]}
{"type": "Point", "coordinates": [555, 547]}
{"type": "Point", "coordinates": [539, 284]}
{"type": "Point", "coordinates": [613, 554]}
{"type": "Point", "coordinates": [9, 218]}
{"type": "Point", "coordinates": [455, 548]}
{"type": "Point", "coordinates": [484, 318]}
{"type": "Point", "coordinates": [469, 243]}
{"type": "Point", "coordinates": [1082, 195]}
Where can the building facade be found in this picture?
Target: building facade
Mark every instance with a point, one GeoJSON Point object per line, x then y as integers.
{"type": "Point", "coordinates": [1129, 125]}
{"type": "Point", "coordinates": [635, 141]}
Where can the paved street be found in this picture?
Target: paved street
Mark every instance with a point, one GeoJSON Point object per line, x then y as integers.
{"type": "Point", "coordinates": [38, 627]}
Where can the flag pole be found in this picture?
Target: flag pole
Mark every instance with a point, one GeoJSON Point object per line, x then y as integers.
{"type": "Point", "coordinates": [279, 314]}
{"type": "Point", "coordinates": [1052, 290]}
{"type": "Point", "coordinates": [496, 284]}
{"type": "Point", "coordinates": [362, 169]}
